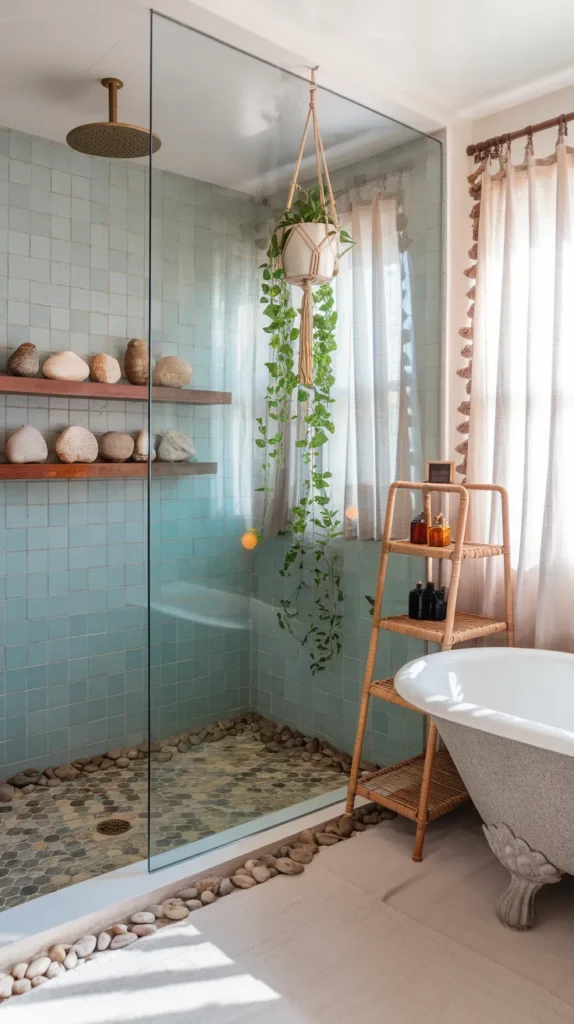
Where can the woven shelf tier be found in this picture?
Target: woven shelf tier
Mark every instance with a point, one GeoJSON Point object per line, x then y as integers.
{"type": "Point", "coordinates": [398, 787]}
{"type": "Point", "coordinates": [466, 627]}
{"type": "Point", "coordinates": [468, 553]}
{"type": "Point", "coordinates": [384, 689]}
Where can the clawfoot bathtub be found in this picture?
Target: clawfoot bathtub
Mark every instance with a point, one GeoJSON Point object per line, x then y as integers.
{"type": "Point", "coordinates": [507, 718]}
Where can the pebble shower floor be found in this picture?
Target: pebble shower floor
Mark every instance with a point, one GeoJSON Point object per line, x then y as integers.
{"type": "Point", "coordinates": [49, 837]}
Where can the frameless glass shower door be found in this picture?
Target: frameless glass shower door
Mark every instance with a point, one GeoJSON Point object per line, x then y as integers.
{"type": "Point", "coordinates": [241, 732]}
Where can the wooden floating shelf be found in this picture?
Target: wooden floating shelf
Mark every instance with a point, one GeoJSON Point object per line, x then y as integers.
{"type": "Point", "coordinates": [100, 470]}
{"type": "Point", "coordinates": [469, 551]}
{"type": "Point", "coordinates": [398, 787]}
{"type": "Point", "coordinates": [467, 626]}
{"type": "Point", "coordinates": [117, 392]}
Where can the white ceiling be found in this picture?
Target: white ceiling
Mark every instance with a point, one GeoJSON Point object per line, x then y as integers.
{"type": "Point", "coordinates": [425, 62]}
{"type": "Point", "coordinates": [53, 55]}
{"type": "Point", "coordinates": [446, 56]}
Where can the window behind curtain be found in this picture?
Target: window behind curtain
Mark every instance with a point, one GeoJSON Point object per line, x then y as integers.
{"type": "Point", "coordinates": [375, 413]}
{"type": "Point", "coordinates": [374, 395]}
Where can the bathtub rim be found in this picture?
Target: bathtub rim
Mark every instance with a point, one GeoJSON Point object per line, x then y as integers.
{"type": "Point", "coordinates": [409, 684]}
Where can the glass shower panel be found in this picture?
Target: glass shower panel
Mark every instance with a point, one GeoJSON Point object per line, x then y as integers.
{"type": "Point", "coordinates": [238, 724]}
{"type": "Point", "coordinates": [202, 311]}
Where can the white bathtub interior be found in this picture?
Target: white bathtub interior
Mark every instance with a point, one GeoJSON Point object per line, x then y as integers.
{"type": "Point", "coordinates": [521, 694]}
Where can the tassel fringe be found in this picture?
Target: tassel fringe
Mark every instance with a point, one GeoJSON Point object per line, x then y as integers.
{"type": "Point", "coordinates": [465, 372]}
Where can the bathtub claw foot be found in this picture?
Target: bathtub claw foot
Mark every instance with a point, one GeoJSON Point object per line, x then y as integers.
{"type": "Point", "coordinates": [529, 871]}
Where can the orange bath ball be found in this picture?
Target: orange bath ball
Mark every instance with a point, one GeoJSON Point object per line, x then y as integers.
{"type": "Point", "coordinates": [250, 539]}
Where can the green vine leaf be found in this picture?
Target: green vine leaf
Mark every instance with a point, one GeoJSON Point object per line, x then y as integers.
{"type": "Point", "coordinates": [316, 564]}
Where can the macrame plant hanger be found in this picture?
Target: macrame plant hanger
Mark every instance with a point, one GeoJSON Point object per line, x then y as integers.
{"type": "Point", "coordinates": [311, 256]}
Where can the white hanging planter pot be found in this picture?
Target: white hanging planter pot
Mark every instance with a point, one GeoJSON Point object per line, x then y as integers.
{"type": "Point", "coordinates": [311, 253]}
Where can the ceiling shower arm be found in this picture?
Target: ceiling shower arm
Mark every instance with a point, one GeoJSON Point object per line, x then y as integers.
{"type": "Point", "coordinates": [112, 85]}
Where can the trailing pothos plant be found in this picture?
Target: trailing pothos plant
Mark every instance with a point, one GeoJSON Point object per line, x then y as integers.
{"type": "Point", "coordinates": [313, 566]}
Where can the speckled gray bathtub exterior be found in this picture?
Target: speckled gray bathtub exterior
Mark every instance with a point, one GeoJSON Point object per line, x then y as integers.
{"type": "Point", "coordinates": [527, 788]}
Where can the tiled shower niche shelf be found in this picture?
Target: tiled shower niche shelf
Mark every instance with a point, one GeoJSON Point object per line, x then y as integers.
{"type": "Point", "coordinates": [119, 392]}
{"type": "Point", "coordinates": [100, 470]}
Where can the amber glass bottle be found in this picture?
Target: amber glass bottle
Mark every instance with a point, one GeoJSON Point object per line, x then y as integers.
{"type": "Point", "coordinates": [419, 530]}
{"type": "Point", "coordinates": [439, 532]}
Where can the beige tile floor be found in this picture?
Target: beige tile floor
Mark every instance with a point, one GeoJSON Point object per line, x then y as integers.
{"type": "Point", "coordinates": [364, 935]}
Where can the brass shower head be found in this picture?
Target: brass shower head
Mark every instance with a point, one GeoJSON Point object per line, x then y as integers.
{"type": "Point", "coordinates": [112, 138]}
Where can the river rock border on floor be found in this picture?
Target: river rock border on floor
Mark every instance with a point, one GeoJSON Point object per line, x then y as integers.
{"type": "Point", "coordinates": [198, 893]}
{"type": "Point", "coordinates": [274, 738]}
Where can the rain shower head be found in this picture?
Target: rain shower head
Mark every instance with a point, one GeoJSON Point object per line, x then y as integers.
{"type": "Point", "coordinates": [111, 138]}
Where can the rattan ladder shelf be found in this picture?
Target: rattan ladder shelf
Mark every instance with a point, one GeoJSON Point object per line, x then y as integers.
{"type": "Point", "coordinates": [427, 786]}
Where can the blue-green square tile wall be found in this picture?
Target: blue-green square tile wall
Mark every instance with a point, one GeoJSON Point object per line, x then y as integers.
{"type": "Point", "coordinates": [203, 275]}
{"type": "Point", "coordinates": [73, 570]}
{"type": "Point", "coordinates": [73, 561]}
{"type": "Point", "coordinates": [327, 704]}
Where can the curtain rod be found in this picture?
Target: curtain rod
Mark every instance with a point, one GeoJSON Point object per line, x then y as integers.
{"type": "Point", "coordinates": [500, 140]}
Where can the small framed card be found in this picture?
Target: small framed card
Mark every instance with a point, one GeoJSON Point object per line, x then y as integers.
{"type": "Point", "coordinates": [438, 471]}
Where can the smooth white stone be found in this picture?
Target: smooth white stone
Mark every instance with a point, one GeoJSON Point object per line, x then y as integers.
{"type": "Point", "coordinates": [26, 445]}
{"type": "Point", "coordinates": [38, 966]}
{"type": "Point", "coordinates": [6, 986]}
{"type": "Point", "coordinates": [142, 917]}
{"type": "Point", "coordinates": [76, 444]}
{"type": "Point", "coordinates": [141, 450]}
{"type": "Point", "coordinates": [21, 986]}
{"type": "Point", "coordinates": [119, 941]}
{"type": "Point", "coordinates": [55, 969]}
{"type": "Point", "coordinates": [174, 913]}
{"type": "Point", "coordinates": [66, 366]}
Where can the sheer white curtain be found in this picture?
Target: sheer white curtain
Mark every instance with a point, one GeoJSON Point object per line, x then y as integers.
{"type": "Point", "coordinates": [377, 423]}
{"type": "Point", "coordinates": [522, 401]}
{"type": "Point", "coordinates": [376, 417]}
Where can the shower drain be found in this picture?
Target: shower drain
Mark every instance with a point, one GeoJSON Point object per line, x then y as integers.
{"type": "Point", "coordinates": [113, 827]}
